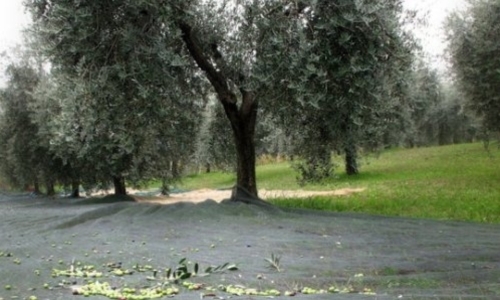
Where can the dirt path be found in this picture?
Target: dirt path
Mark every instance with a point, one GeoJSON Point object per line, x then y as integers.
{"type": "Point", "coordinates": [198, 196]}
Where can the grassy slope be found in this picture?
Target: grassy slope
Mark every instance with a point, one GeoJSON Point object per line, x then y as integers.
{"type": "Point", "coordinates": [457, 182]}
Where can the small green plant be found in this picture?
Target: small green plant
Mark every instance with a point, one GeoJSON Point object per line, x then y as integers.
{"type": "Point", "coordinates": [274, 262]}
{"type": "Point", "coordinates": [183, 271]}
{"type": "Point", "coordinates": [221, 268]}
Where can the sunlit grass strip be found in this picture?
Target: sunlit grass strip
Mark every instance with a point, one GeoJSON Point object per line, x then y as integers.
{"type": "Point", "coordinates": [431, 209]}
{"type": "Point", "coordinates": [456, 182]}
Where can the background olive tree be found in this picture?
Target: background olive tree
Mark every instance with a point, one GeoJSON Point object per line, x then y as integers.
{"type": "Point", "coordinates": [341, 63]}
{"type": "Point", "coordinates": [474, 52]}
{"type": "Point", "coordinates": [26, 160]}
{"type": "Point", "coordinates": [125, 96]}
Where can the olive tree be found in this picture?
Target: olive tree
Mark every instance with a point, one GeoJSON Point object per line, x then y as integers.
{"type": "Point", "coordinates": [456, 123]}
{"type": "Point", "coordinates": [346, 60]}
{"type": "Point", "coordinates": [425, 98]}
{"type": "Point", "coordinates": [474, 53]}
{"type": "Point", "coordinates": [26, 159]}
{"type": "Point", "coordinates": [126, 89]}
{"type": "Point", "coordinates": [225, 39]}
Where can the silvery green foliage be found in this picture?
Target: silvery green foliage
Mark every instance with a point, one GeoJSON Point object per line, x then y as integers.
{"type": "Point", "coordinates": [124, 91]}
{"type": "Point", "coordinates": [456, 123]}
{"type": "Point", "coordinates": [474, 54]}
{"type": "Point", "coordinates": [437, 111]}
{"type": "Point", "coordinates": [215, 145]}
{"type": "Point", "coordinates": [328, 73]}
{"type": "Point", "coordinates": [17, 134]}
{"type": "Point", "coordinates": [272, 138]}
{"type": "Point", "coordinates": [128, 62]}
{"type": "Point", "coordinates": [26, 159]}
{"type": "Point", "coordinates": [338, 66]}
{"type": "Point", "coordinates": [425, 98]}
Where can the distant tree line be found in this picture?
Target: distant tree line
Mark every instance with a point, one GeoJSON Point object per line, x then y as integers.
{"type": "Point", "coordinates": [141, 90]}
{"type": "Point", "coordinates": [474, 52]}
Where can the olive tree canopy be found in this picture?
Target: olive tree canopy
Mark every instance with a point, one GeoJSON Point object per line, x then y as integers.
{"type": "Point", "coordinates": [474, 52]}
{"type": "Point", "coordinates": [134, 70]}
{"type": "Point", "coordinates": [123, 89]}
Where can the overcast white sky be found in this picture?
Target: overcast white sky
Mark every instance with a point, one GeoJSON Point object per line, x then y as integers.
{"type": "Point", "coordinates": [13, 18]}
{"type": "Point", "coordinates": [432, 34]}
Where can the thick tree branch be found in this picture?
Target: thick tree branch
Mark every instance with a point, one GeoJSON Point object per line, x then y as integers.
{"type": "Point", "coordinates": [237, 77]}
{"type": "Point", "coordinates": [218, 80]}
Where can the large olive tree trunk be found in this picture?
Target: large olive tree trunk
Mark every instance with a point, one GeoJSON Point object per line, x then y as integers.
{"type": "Point", "coordinates": [119, 184]}
{"type": "Point", "coordinates": [243, 122]}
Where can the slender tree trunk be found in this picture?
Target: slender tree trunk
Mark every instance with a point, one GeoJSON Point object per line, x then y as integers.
{"type": "Point", "coordinates": [119, 183]}
{"type": "Point", "coordinates": [351, 160]}
{"type": "Point", "coordinates": [175, 168]}
{"type": "Point", "coordinates": [75, 189]}
{"type": "Point", "coordinates": [350, 149]}
{"type": "Point", "coordinates": [50, 188]}
{"type": "Point", "coordinates": [164, 187]}
{"type": "Point", "coordinates": [36, 187]}
{"type": "Point", "coordinates": [351, 156]}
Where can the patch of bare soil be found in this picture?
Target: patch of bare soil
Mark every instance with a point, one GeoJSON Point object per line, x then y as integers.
{"type": "Point", "coordinates": [198, 196]}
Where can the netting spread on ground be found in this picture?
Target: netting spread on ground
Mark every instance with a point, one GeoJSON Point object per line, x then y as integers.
{"type": "Point", "coordinates": [390, 256]}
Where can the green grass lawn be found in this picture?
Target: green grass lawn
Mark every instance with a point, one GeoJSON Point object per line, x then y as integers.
{"type": "Point", "coordinates": [457, 182]}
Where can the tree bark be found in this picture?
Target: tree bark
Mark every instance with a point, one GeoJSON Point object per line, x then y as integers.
{"type": "Point", "coordinates": [119, 183]}
{"type": "Point", "coordinates": [36, 187]}
{"type": "Point", "coordinates": [175, 168]}
{"type": "Point", "coordinates": [75, 189]}
{"type": "Point", "coordinates": [50, 188]}
{"type": "Point", "coordinates": [350, 149]}
{"type": "Point", "coordinates": [164, 187]}
{"type": "Point", "coordinates": [242, 118]}
{"type": "Point", "coordinates": [351, 159]}
{"type": "Point", "coordinates": [243, 124]}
